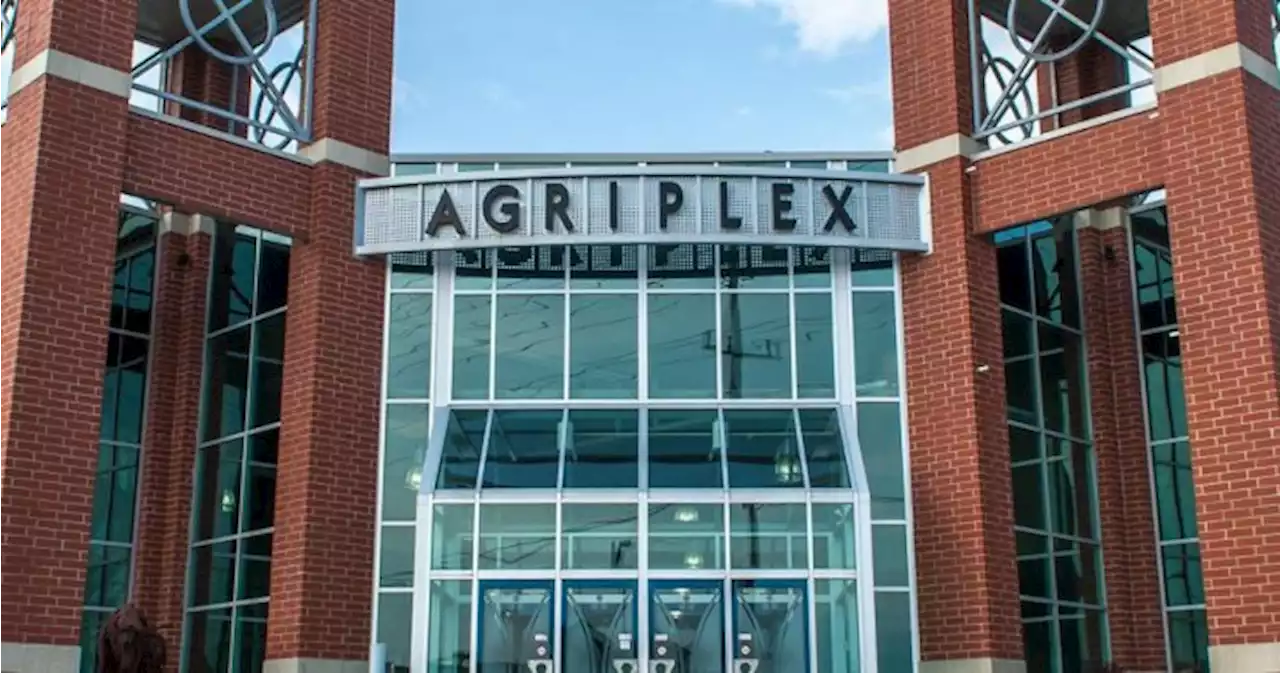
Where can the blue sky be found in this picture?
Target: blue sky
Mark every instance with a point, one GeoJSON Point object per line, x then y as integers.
{"type": "Point", "coordinates": [641, 75]}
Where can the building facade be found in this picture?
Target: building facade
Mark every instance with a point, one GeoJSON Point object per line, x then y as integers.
{"type": "Point", "coordinates": [1039, 433]}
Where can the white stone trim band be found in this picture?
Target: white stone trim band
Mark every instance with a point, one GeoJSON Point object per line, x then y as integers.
{"type": "Point", "coordinates": [1251, 658]}
{"type": "Point", "coordinates": [328, 149]}
{"type": "Point", "coordinates": [934, 151]}
{"type": "Point", "coordinates": [39, 658]}
{"type": "Point", "coordinates": [65, 66]}
{"type": "Point", "coordinates": [314, 666]}
{"type": "Point", "coordinates": [1215, 62]}
{"type": "Point", "coordinates": [974, 666]}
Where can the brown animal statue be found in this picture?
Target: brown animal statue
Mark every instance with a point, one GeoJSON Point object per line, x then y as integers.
{"type": "Point", "coordinates": [128, 644]}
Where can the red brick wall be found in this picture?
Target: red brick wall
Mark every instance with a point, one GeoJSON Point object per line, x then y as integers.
{"type": "Point", "coordinates": [1124, 492]}
{"type": "Point", "coordinates": [59, 235]}
{"type": "Point", "coordinates": [177, 351]}
{"type": "Point", "coordinates": [100, 31]}
{"type": "Point", "coordinates": [961, 476]}
{"type": "Point", "coordinates": [1185, 28]}
{"type": "Point", "coordinates": [196, 75]}
{"type": "Point", "coordinates": [1224, 213]}
{"type": "Point", "coordinates": [932, 98]}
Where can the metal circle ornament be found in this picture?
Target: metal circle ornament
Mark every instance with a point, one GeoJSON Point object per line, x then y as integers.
{"type": "Point", "coordinates": [1058, 9]}
{"type": "Point", "coordinates": [290, 69]}
{"type": "Point", "coordinates": [228, 16]}
{"type": "Point", "coordinates": [9, 10]}
{"type": "Point", "coordinates": [992, 66]}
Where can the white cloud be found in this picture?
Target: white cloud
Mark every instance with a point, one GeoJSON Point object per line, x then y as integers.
{"type": "Point", "coordinates": [878, 90]}
{"type": "Point", "coordinates": [824, 27]}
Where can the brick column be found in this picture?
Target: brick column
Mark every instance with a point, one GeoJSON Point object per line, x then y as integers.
{"type": "Point", "coordinates": [1134, 612]}
{"type": "Point", "coordinates": [1222, 144]}
{"type": "Point", "coordinates": [196, 75]}
{"type": "Point", "coordinates": [1090, 70]}
{"type": "Point", "coordinates": [172, 416]}
{"type": "Point", "coordinates": [322, 557]}
{"type": "Point", "coordinates": [62, 165]}
{"type": "Point", "coordinates": [966, 572]}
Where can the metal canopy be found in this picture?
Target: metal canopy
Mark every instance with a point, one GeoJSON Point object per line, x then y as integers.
{"type": "Point", "coordinates": [1121, 20]}
{"type": "Point", "coordinates": [160, 22]}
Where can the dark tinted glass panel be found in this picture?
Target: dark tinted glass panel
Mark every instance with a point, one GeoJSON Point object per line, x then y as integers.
{"type": "Point", "coordinates": [523, 450]}
{"type": "Point", "coordinates": [812, 267]}
{"type": "Point", "coordinates": [396, 569]}
{"type": "Point", "coordinates": [119, 293]}
{"type": "Point", "coordinates": [1020, 391]}
{"type": "Point", "coordinates": [869, 166]}
{"type": "Point", "coordinates": [872, 268]}
{"type": "Point", "coordinates": [1153, 270]}
{"type": "Point", "coordinates": [815, 348]}
{"type": "Point", "coordinates": [824, 448]}
{"type": "Point", "coordinates": [1023, 444]}
{"type": "Point", "coordinates": [875, 343]}
{"type": "Point", "coordinates": [409, 346]}
{"type": "Point", "coordinates": [260, 483]}
{"type": "Point", "coordinates": [110, 387]}
{"type": "Point", "coordinates": [141, 279]}
{"type": "Point", "coordinates": [601, 267]}
{"type": "Point", "coordinates": [131, 388]}
{"type": "Point", "coordinates": [682, 353]}
{"type": "Point", "coordinates": [1053, 263]}
{"type": "Point", "coordinates": [1077, 567]}
{"type": "Point", "coordinates": [684, 451]}
{"type": "Point", "coordinates": [406, 447]}
{"type": "Point", "coordinates": [1071, 489]}
{"type": "Point", "coordinates": [1062, 381]}
{"type": "Point", "coordinates": [528, 268]}
{"type": "Point", "coordinates": [255, 566]}
{"type": "Point", "coordinates": [1162, 366]}
{"type": "Point", "coordinates": [809, 165]}
{"type": "Point", "coordinates": [460, 459]}
{"type": "Point", "coordinates": [880, 437]}
{"type": "Point", "coordinates": [747, 267]}
{"type": "Point", "coordinates": [1038, 637]}
{"type": "Point", "coordinates": [213, 571]}
{"type": "Point", "coordinates": [603, 353]}
{"type": "Point", "coordinates": [889, 551]}
{"type": "Point", "coordinates": [1189, 639]}
{"type": "Point", "coordinates": [1016, 329]}
{"type": "Point", "coordinates": [762, 451]}
{"type": "Point", "coordinates": [1028, 496]}
{"type": "Point", "coordinates": [895, 650]}
{"type": "Point", "coordinates": [1034, 565]}
{"type": "Point", "coordinates": [264, 446]}
{"type": "Point", "coordinates": [115, 491]}
{"type": "Point", "coordinates": [467, 168]}
{"type": "Point", "coordinates": [756, 348]}
{"type": "Point", "coordinates": [1183, 581]}
{"type": "Point", "coordinates": [414, 270]}
{"type": "Point", "coordinates": [268, 374]}
{"type": "Point", "coordinates": [273, 277]}
{"type": "Point", "coordinates": [1175, 490]}
{"type": "Point", "coordinates": [471, 347]}
{"type": "Point", "coordinates": [1015, 279]}
{"type": "Point", "coordinates": [217, 489]}
{"type": "Point", "coordinates": [251, 637]}
{"type": "Point", "coordinates": [226, 384]}
{"type": "Point", "coordinates": [768, 536]}
{"type": "Point", "coordinates": [604, 449]}
{"type": "Point", "coordinates": [416, 169]}
{"type": "Point", "coordinates": [1081, 634]}
{"type": "Point", "coordinates": [208, 641]}
{"type": "Point", "coordinates": [231, 299]}
{"type": "Point", "coordinates": [685, 265]}
{"type": "Point", "coordinates": [395, 624]}
{"type": "Point", "coordinates": [107, 576]}
{"type": "Point", "coordinates": [90, 625]}
{"type": "Point", "coordinates": [529, 360]}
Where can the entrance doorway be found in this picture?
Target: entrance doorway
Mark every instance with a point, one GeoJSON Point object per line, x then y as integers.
{"type": "Point", "coordinates": [763, 627]}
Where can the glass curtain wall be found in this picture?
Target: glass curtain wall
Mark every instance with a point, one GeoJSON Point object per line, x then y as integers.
{"type": "Point", "coordinates": [233, 506]}
{"type": "Point", "coordinates": [1060, 572]}
{"type": "Point", "coordinates": [1173, 485]}
{"type": "Point", "coordinates": [108, 577]}
{"type": "Point", "coordinates": [597, 409]}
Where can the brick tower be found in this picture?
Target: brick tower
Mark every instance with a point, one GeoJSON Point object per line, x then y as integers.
{"type": "Point", "coordinates": [1032, 111]}
{"type": "Point", "coordinates": [191, 120]}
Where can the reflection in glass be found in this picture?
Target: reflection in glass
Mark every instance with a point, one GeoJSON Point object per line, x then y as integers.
{"type": "Point", "coordinates": [889, 555]}
{"type": "Point", "coordinates": [273, 274]}
{"type": "Point", "coordinates": [815, 354]}
{"type": "Point", "coordinates": [1183, 581]}
{"type": "Point", "coordinates": [681, 266]}
{"type": "Point", "coordinates": [684, 449]}
{"type": "Point", "coordinates": [602, 346]}
{"type": "Point", "coordinates": [227, 384]}
{"type": "Point", "coordinates": [754, 267]}
{"type": "Point", "coordinates": [1077, 568]}
{"type": "Point", "coordinates": [217, 489]}
{"type": "Point", "coordinates": [472, 270]}
{"type": "Point", "coordinates": [599, 536]}
{"type": "Point", "coordinates": [515, 624]}
{"type": "Point", "coordinates": [463, 442]}
{"type": "Point", "coordinates": [824, 448]}
{"type": "Point", "coordinates": [836, 625]}
{"type": "Point", "coordinates": [812, 267]}
{"type": "Point", "coordinates": [1188, 639]}
{"type": "Point", "coordinates": [209, 640]}
{"type": "Point", "coordinates": [451, 527]}
{"type": "Point", "coordinates": [396, 557]}
{"type": "Point", "coordinates": [773, 615]}
{"type": "Point", "coordinates": [251, 637]}
{"type": "Point", "coordinates": [756, 348]}
{"type": "Point", "coordinates": [1015, 275]}
{"type": "Point", "coordinates": [602, 450]}
{"type": "Point", "coordinates": [768, 536]}
{"type": "Point", "coordinates": [526, 268]}
{"type": "Point", "coordinates": [214, 567]}
{"type": "Point", "coordinates": [872, 268]}
{"type": "Point", "coordinates": [1020, 391]}
{"type": "Point", "coordinates": [254, 578]}
{"type": "Point", "coordinates": [895, 649]}
{"type": "Point", "coordinates": [880, 438]}
{"type": "Point", "coordinates": [1071, 488]}
{"type": "Point", "coordinates": [762, 451]}
{"type": "Point", "coordinates": [115, 489]}
{"type": "Point", "coordinates": [599, 627]}
{"type": "Point", "coordinates": [1028, 496]}
{"type": "Point", "coordinates": [687, 626]}
{"type": "Point", "coordinates": [408, 366]}
{"type": "Point", "coordinates": [1175, 490]}
{"type": "Point", "coordinates": [1162, 367]}
{"type": "Point", "coordinates": [1033, 565]}
{"type": "Point", "coordinates": [412, 270]}
{"type": "Point", "coordinates": [523, 449]}
{"type": "Point", "coordinates": [1017, 335]}
{"type": "Point", "coordinates": [106, 582]}
{"type": "Point", "coordinates": [517, 537]}
{"type": "Point", "coordinates": [833, 536]}
{"type": "Point", "coordinates": [682, 352]}
{"type": "Point", "coordinates": [1081, 636]}
{"type": "Point", "coordinates": [1053, 263]}
{"type": "Point", "coordinates": [268, 370]}
{"type": "Point", "coordinates": [402, 458]}
{"type": "Point", "coordinates": [686, 536]}
{"type": "Point", "coordinates": [233, 268]}
{"type": "Point", "coordinates": [875, 341]}
{"type": "Point", "coordinates": [395, 624]}
{"type": "Point", "coordinates": [471, 347]}
{"type": "Point", "coordinates": [1062, 381]}
{"type": "Point", "coordinates": [604, 267]}
{"type": "Point", "coordinates": [449, 627]}
{"type": "Point", "coordinates": [529, 359]}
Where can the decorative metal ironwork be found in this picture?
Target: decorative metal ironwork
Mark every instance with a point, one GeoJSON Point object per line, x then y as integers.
{"type": "Point", "coordinates": [1006, 106]}
{"type": "Point", "coordinates": [1275, 30]}
{"type": "Point", "coordinates": [9, 17]}
{"type": "Point", "coordinates": [279, 114]}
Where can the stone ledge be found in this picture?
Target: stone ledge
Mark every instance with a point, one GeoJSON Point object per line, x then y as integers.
{"type": "Point", "coordinates": [38, 658]}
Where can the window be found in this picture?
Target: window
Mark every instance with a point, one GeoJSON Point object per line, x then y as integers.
{"type": "Point", "coordinates": [108, 576]}
{"type": "Point", "coordinates": [234, 499]}
{"type": "Point", "coordinates": [1054, 481]}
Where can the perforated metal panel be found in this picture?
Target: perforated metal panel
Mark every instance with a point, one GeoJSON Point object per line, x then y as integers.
{"type": "Point", "coordinates": [641, 204]}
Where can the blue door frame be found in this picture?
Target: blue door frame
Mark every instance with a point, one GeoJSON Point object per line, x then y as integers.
{"type": "Point", "coordinates": [801, 585]}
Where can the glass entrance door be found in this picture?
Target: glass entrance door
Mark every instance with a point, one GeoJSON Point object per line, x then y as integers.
{"type": "Point", "coordinates": [515, 627]}
{"type": "Point", "coordinates": [686, 626]}
{"type": "Point", "coordinates": [599, 628]}
{"type": "Point", "coordinates": [770, 626]}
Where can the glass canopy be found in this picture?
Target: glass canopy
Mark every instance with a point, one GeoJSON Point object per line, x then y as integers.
{"type": "Point", "coordinates": [705, 447]}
